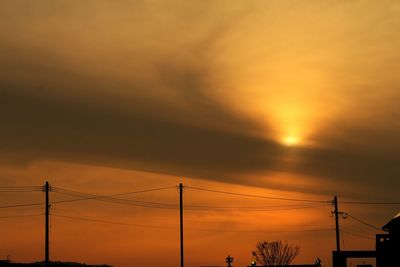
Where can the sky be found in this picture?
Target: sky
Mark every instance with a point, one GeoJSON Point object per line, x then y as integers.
{"type": "Point", "coordinates": [289, 99]}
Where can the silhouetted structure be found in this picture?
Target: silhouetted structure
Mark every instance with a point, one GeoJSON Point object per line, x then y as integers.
{"type": "Point", "coordinates": [229, 261]}
{"type": "Point", "coordinates": [47, 227]}
{"type": "Point", "coordinates": [336, 212]}
{"type": "Point", "coordinates": [181, 220]}
{"type": "Point", "coordinates": [387, 248]}
{"type": "Point", "coordinates": [295, 265]}
{"type": "Point", "coordinates": [388, 245]}
{"type": "Point", "coordinates": [8, 263]}
{"type": "Point", "coordinates": [316, 264]}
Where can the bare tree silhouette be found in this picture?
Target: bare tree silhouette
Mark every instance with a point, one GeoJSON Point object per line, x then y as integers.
{"type": "Point", "coordinates": [275, 253]}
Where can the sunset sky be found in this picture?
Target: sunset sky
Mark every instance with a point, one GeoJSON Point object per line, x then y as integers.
{"type": "Point", "coordinates": [287, 99]}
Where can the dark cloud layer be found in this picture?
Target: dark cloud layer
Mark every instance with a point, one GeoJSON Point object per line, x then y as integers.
{"type": "Point", "coordinates": [38, 127]}
{"type": "Point", "coordinates": [140, 92]}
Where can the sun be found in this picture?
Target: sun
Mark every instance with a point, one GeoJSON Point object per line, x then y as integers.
{"type": "Point", "coordinates": [290, 140]}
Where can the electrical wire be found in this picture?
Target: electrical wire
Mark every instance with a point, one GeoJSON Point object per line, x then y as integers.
{"type": "Point", "coordinates": [360, 231]}
{"type": "Point", "coordinates": [363, 222]}
{"type": "Point", "coordinates": [110, 222]}
{"type": "Point", "coordinates": [18, 216]}
{"type": "Point", "coordinates": [368, 203]}
{"type": "Point", "coordinates": [125, 202]}
{"type": "Point", "coordinates": [13, 189]}
{"type": "Point", "coordinates": [357, 235]}
{"type": "Point", "coordinates": [120, 194]}
{"type": "Point", "coordinates": [189, 229]}
{"type": "Point", "coordinates": [21, 205]}
{"type": "Point", "coordinates": [148, 204]}
{"type": "Point", "coordinates": [110, 198]}
{"type": "Point", "coordinates": [261, 231]}
{"type": "Point", "coordinates": [258, 196]}
{"type": "Point", "coordinates": [19, 189]}
{"type": "Point", "coordinates": [253, 209]}
{"type": "Point", "coordinates": [117, 201]}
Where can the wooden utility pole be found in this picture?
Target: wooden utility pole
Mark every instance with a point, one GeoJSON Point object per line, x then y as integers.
{"type": "Point", "coordinates": [335, 202]}
{"type": "Point", "coordinates": [181, 219]}
{"type": "Point", "coordinates": [46, 253]}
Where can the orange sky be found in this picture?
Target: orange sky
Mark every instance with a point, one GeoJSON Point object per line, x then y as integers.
{"type": "Point", "coordinates": [282, 98]}
{"type": "Point", "coordinates": [131, 235]}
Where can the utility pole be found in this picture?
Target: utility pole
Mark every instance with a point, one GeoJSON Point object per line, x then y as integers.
{"type": "Point", "coordinates": [229, 261]}
{"type": "Point", "coordinates": [335, 202]}
{"type": "Point", "coordinates": [46, 254]}
{"type": "Point", "coordinates": [181, 219]}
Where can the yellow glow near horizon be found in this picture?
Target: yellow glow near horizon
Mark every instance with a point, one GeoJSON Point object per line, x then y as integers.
{"type": "Point", "coordinates": [291, 140]}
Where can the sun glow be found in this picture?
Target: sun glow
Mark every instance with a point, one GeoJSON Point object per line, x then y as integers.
{"type": "Point", "coordinates": [290, 140]}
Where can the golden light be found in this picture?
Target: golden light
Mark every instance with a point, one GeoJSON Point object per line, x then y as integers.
{"type": "Point", "coordinates": [290, 140]}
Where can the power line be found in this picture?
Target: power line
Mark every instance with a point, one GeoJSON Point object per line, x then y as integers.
{"type": "Point", "coordinates": [259, 231]}
{"type": "Point", "coordinates": [19, 189]}
{"type": "Point", "coordinates": [13, 189]}
{"type": "Point", "coordinates": [369, 203]}
{"type": "Point", "coordinates": [21, 205]}
{"type": "Point", "coordinates": [113, 199]}
{"type": "Point", "coordinates": [357, 235]}
{"type": "Point", "coordinates": [117, 201]}
{"type": "Point", "coordinates": [122, 201]}
{"type": "Point", "coordinates": [110, 198]}
{"type": "Point", "coordinates": [18, 216]}
{"type": "Point", "coordinates": [258, 196]}
{"type": "Point", "coordinates": [254, 209]}
{"type": "Point", "coordinates": [110, 222]}
{"type": "Point", "coordinates": [141, 203]}
{"type": "Point", "coordinates": [120, 194]}
{"type": "Point", "coordinates": [363, 222]}
{"type": "Point", "coordinates": [147, 204]}
{"type": "Point", "coordinates": [189, 229]}
{"type": "Point", "coordinates": [257, 207]}
{"type": "Point", "coordinates": [359, 230]}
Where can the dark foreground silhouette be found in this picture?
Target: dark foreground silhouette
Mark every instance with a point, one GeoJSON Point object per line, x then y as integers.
{"type": "Point", "coordinates": [55, 263]}
{"type": "Point", "coordinates": [387, 247]}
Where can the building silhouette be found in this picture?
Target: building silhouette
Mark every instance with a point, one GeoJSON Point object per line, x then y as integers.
{"type": "Point", "coordinates": [388, 245]}
{"type": "Point", "coordinates": [387, 248]}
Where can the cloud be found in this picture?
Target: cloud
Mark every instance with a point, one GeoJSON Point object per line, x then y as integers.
{"type": "Point", "coordinates": [49, 128]}
{"type": "Point", "coordinates": [41, 127]}
{"type": "Point", "coordinates": [83, 84]}
{"type": "Point", "coordinates": [169, 124]}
